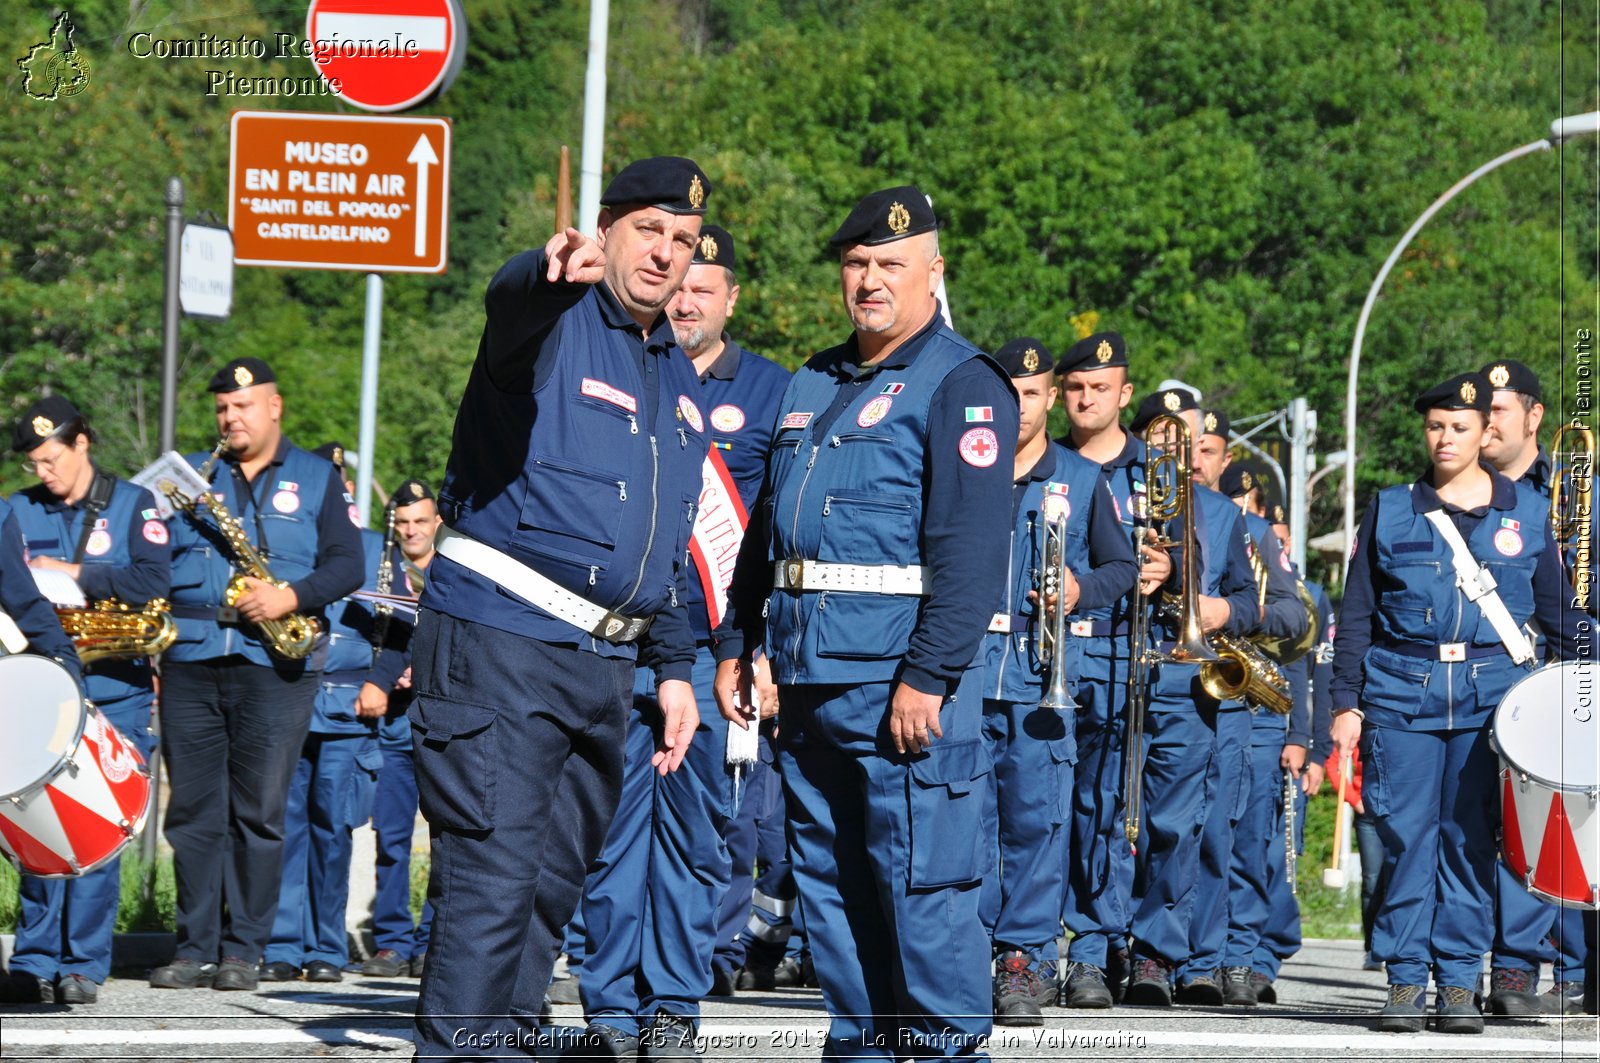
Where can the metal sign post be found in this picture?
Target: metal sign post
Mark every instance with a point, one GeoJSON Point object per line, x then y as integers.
{"type": "Point", "coordinates": [369, 396]}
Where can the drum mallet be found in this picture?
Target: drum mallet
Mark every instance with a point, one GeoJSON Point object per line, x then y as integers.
{"type": "Point", "coordinates": [1333, 877]}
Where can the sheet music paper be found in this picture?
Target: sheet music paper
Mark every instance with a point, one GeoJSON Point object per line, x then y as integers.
{"type": "Point", "coordinates": [58, 588]}
{"type": "Point", "coordinates": [170, 468]}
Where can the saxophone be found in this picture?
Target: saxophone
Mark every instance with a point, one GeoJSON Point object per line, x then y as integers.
{"type": "Point", "coordinates": [113, 629]}
{"type": "Point", "coordinates": [290, 637]}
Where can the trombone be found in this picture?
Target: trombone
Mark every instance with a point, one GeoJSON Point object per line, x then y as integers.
{"type": "Point", "coordinates": [1571, 502]}
{"type": "Point", "coordinates": [1169, 479]}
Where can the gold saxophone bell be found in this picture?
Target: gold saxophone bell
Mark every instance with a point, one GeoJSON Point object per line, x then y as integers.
{"type": "Point", "coordinates": [112, 629]}
{"type": "Point", "coordinates": [1571, 502]}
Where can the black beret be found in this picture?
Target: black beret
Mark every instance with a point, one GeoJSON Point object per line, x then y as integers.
{"type": "Point", "coordinates": [334, 452]}
{"type": "Point", "coordinates": [43, 420]}
{"type": "Point", "coordinates": [1103, 350]}
{"type": "Point", "coordinates": [713, 248]}
{"type": "Point", "coordinates": [1237, 481]}
{"type": "Point", "coordinates": [1171, 400]}
{"type": "Point", "coordinates": [1024, 357]}
{"type": "Point", "coordinates": [1465, 391]}
{"type": "Point", "coordinates": [1509, 375]}
{"type": "Point", "coordinates": [1214, 423]}
{"type": "Point", "coordinates": [409, 492]}
{"type": "Point", "coordinates": [241, 373]}
{"type": "Point", "coordinates": [886, 216]}
{"type": "Point", "coordinates": [674, 184]}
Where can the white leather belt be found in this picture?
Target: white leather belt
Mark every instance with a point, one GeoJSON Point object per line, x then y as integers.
{"type": "Point", "coordinates": [525, 583]}
{"type": "Point", "coordinates": [802, 575]}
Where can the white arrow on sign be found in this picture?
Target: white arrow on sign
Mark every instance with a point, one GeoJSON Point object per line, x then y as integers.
{"type": "Point", "coordinates": [423, 155]}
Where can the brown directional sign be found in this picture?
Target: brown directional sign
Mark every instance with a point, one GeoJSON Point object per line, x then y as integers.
{"type": "Point", "coordinates": [334, 191]}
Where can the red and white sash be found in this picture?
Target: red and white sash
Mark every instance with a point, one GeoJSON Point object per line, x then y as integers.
{"type": "Point", "coordinates": [719, 526]}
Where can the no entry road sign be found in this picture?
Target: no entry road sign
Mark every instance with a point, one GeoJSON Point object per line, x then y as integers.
{"type": "Point", "coordinates": [384, 55]}
{"type": "Point", "coordinates": [328, 191]}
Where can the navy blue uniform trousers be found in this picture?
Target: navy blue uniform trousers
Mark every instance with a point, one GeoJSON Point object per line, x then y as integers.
{"type": "Point", "coordinates": [889, 855]}
{"type": "Point", "coordinates": [394, 817]}
{"type": "Point", "coordinates": [1029, 804]}
{"type": "Point", "coordinates": [1100, 866]}
{"type": "Point", "coordinates": [1256, 871]}
{"type": "Point", "coordinates": [231, 734]}
{"type": "Point", "coordinates": [1227, 790]}
{"type": "Point", "coordinates": [518, 746]}
{"type": "Point", "coordinates": [650, 901]}
{"type": "Point", "coordinates": [64, 926]}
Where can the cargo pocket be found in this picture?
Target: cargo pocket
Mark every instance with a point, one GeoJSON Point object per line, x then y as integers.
{"type": "Point", "coordinates": [1063, 755]}
{"type": "Point", "coordinates": [947, 836]}
{"type": "Point", "coordinates": [363, 787]}
{"type": "Point", "coordinates": [455, 763]}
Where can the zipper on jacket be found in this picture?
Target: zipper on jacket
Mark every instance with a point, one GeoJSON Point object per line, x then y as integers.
{"type": "Point", "coordinates": [649, 543]}
{"type": "Point", "coordinates": [794, 530]}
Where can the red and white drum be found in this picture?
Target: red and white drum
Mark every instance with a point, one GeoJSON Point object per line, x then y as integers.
{"type": "Point", "coordinates": [1547, 731]}
{"type": "Point", "coordinates": [73, 791]}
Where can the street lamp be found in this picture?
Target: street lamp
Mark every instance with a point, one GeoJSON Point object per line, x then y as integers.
{"type": "Point", "coordinates": [1561, 130]}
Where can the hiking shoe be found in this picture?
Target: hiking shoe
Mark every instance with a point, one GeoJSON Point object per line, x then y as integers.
{"type": "Point", "coordinates": [722, 982]}
{"type": "Point", "coordinates": [1266, 992]}
{"type": "Point", "coordinates": [1456, 1011]}
{"type": "Point", "coordinates": [1118, 966]}
{"type": "Point", "coordinates": [1403, 1013]}
{"type": "Point", "coordinates": [1085, 987]}
{"type": "Point", "coordinates": [1238, 987]}
{"type": "Point", "coordinates": [1563, 998]}
{"type": "Point", "coordinates": [1016, 992]}
{"type": "Point", "coordinates": [1151, 984]}
{"type": "Point", "coordinates": [1204, 990]}
{"type": "Point", "coordinates": [236, 974]}
{"type": "Point", "coordinates": [76, 989]}
{"type": "Point", "coordinates": [607, 1042]}
{"type": "Point", "coordinates": [669, 1036]}
{"type": "Point", "coordinates": [20, 987]}
{"type": "Point", "coordinates": [1511, 992]}
{"type": "Point", "coordinates": [793, 973]}
{"type": "Point", "coordinates": [184, 974]}
{"type": "Point", "coordinates": [386, 963]}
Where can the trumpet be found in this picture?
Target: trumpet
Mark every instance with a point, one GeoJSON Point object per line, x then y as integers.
{"type": "Point", "coordinates": [290, 637]}
{"type": "Point", "coordinates": [1571, 502]}
{"type": "Point", "coordinates": [1169, 495]}
{"type": "Point", "coordinates": [1048, 579]}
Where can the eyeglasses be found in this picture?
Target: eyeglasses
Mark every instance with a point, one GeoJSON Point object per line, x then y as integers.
{"type": "Point", "coordinates": [35, 465]}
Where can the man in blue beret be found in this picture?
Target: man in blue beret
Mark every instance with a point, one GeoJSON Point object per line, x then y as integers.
{"type": "Point", "coordinates": [883, 564]}
{"type": "Point", "coordinates": [568, 503]}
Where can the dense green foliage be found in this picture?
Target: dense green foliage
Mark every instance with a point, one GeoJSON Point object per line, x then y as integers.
{"type": "Point", "coordinates": [1218, 181]}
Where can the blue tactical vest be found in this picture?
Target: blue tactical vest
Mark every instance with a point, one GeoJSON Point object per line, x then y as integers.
{"type": "Point", "coordinates": [350, 652]}
{"type": "Point", "coordinates": [852, 497]}
{"type": "Point", "coordinates": [52, 530]}
{"type": "Point", "coordinates": [570, 480]}
{"type": "Point", "coordinates": [1418, 605]}
{"type": "Point", "coordinates": [1110, 622]}
{"type": "Point", "coordinates": [1012, 670]}
{"type": "Point", "coordinates": [741, 414]}
{"type": "Point", "coordinates": [291, 505]}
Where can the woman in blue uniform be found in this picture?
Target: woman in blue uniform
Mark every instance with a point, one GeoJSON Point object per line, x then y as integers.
{"type": "Point", "coordinates": [1423, 654]}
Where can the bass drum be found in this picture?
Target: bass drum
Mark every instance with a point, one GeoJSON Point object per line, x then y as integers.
{"type": "Point", "coordinates": [1547, 732]}
{"type": "Point", "coordinates": [73, 791]}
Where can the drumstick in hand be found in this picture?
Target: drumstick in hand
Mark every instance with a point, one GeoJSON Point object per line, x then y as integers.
{"type": "Point", "coordinates": [1334, 877]}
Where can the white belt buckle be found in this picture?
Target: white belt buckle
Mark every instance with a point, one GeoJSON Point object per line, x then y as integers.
{"type": "Point", "coordinates": [1000, 622]}
{"type": "Point", "coordinates": [1081, 628]}
{"type": "Point", "coordinates": [1452, 651]}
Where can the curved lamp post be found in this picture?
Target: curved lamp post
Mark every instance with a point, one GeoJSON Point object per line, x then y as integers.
{"type": "Point", "coordinates": [1561, 130]}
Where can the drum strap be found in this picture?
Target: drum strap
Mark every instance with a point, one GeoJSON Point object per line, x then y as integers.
{"type": "Point", "coordinates": [98, 498]}
{"type": "Point", "coordinates": [1477, 582]}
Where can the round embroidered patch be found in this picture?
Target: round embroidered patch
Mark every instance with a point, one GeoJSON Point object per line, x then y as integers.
{"type": "Point", "coordinates": [874, 411]}
{"type": "Point", "coordinates": [99, 542]}
{"type": "Point", "coordinates": [1508, 542]}
{"type": "Point", "coordinates": [979, 447]}
{"type": "Point", "coordinates": [727, 418]}
{"type": "Point", "coordinates": [691, 413]}
{"type": "Point", "coordinates": [285, 501]}
{"type": "Point", "coordinates": [155, 531]}
{"type": "Point", "coordinates": [1056, 508]}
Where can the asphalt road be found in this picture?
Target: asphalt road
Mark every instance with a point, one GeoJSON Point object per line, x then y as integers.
{"type": "Point", "coordinates": [1324, 1013]}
